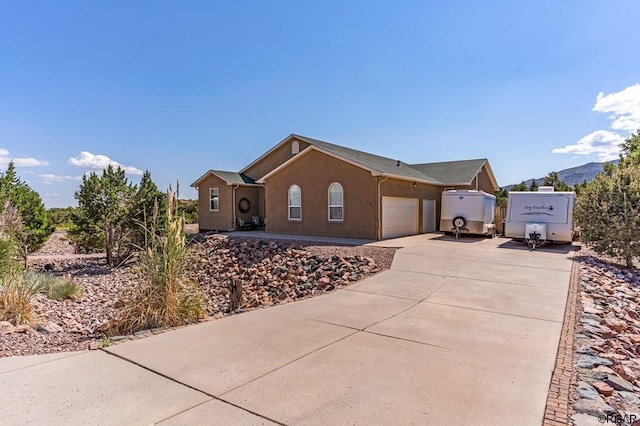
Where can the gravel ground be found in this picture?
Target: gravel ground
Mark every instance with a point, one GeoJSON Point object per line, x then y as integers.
{"type": "Point", "coordinates": [74, 324]}
{"type": "Point", "coordinates": [57, 245]}
{"type": "Point", "coordinates": [607, 343]}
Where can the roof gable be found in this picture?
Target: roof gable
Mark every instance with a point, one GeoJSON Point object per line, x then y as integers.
{"type": "Point", "coordinates": [231, 178]}
{"type": "Point", "coordinates": [457, 172]}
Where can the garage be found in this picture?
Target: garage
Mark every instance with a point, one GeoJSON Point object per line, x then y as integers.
{"type": "Point", "coordinates": [399, 216]}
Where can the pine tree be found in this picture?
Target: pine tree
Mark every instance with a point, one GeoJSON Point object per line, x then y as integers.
{"type": "Point", "coordinates": [608, 213]}
{"type": "Point", "coordinates": [104, 204]}
{"type": "Point", "coordinates": [36, 223]}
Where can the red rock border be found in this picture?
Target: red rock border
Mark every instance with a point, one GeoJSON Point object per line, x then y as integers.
{"type": "Point", "coordinates": [559, 405]}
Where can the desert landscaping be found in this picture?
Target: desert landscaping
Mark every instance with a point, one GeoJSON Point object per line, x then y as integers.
{"type": "Point", "coordinates": [272, 272]}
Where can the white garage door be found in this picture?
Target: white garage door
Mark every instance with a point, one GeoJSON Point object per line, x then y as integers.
{"type": "Point", "coordinates": [399, 216]}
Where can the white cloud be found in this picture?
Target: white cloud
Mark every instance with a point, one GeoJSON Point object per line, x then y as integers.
{"type": "Point", "coordinates": [5, 159]}
{"type": "Point", "coordinates": [87, 160]}
{"type": "Point", "coordinates": [48, 178]}
{"type": "Point", "coordinates": [603, 143]}
{"type": "Point", "coordinates": [624, 107]}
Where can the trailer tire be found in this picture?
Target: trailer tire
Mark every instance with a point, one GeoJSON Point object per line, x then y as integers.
{"type": "Point", "coordinates": [459, 222]}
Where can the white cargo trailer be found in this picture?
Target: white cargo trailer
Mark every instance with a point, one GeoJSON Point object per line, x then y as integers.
{"type": "Point", "coordinates": [467, 211]}
{"type": "Point", "coordinates": [538, 217]}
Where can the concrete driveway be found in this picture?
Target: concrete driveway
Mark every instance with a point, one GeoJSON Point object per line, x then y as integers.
{"type": "Point", "coordinates": [457, 332]}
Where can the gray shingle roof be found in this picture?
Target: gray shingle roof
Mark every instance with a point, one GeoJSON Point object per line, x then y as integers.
{"type": "Point", "coordinates": [374, 162]}
{"type": "Point", "coordinates": [233, 178]}
{"type": "Point", "coordinates": [452, 172]}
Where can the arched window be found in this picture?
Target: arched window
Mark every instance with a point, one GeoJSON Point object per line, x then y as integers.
{"type": "Point", "coordinates": [295, 203]}
{"type": "Point", "coordinates": [295, 147]}
{"type": "Point", "coordinates": [336, 203]}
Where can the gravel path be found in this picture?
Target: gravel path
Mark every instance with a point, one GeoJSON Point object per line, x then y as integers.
{"type": "Point", "coordinates": [274, 272]}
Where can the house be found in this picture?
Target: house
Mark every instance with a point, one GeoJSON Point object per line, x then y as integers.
{"type": "Point", "coordinates": [311, 187]}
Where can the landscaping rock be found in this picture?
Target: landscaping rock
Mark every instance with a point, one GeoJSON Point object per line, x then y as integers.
{"type": "Point", "coordinates": [22, 328]}
{"type": "Point", "coordinates": [603, 388]}
{"type": "Point", "coordinates": [630, 399]}
{"type": "Point", "coordinates": [594, 407]}
{"type": "Point", "coordinates": [582, 419]}
{"type": "Point", "coordinates": [608, 334]}
{"type": "Point", "coordinates": [618, 383]}
{"type": "Point", "coordinates": [590, 361]}
{"type": "Point", "coordinates": [271, 273]}
{"type": "Point", "coordinates": [50, 327]}
{"type": "Point", "coordinates": [585, 390]}
{"type": "Point", "coordinates": [6, 327]}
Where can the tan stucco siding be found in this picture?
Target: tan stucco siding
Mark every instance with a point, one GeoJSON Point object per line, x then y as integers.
{"type": "Point", "coordinates": [484, 183]}
{"type": "Point", "coordinates": [313, 173]}
{"type": "Point", "coordinates": [273, 160]}
{"type": "Point", "coordinates": [221, 220]}
{"type": "Point", "coordinates": [406, 189]}
{"type": "Point", "coordinates": [252, 194]}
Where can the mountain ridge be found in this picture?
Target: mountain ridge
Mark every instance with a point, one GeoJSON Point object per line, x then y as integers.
{"type": "Point", "coordinates": [572, 175]}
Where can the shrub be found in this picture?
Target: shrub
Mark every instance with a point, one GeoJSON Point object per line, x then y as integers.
{"type": "Point", "coordinates": [164, 298]}
{"type": "Point", "coordinates": [608, 213]}
{"type": "Point", "coordinates": [53, 287]}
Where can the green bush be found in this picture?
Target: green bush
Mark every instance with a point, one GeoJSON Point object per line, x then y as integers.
{"type": "Point", "coordinates": [607, 211]}
{"type": "Point", "coordinates": [53, 287]}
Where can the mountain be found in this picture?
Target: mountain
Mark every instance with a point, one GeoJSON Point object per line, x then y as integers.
{"type": "Point", "coordinates": [573, 175]}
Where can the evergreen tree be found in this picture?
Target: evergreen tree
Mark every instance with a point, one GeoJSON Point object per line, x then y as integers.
{"type": "Point", "coordinates": [553, 179]}
{"type": "Point", "coordinates": [147, 203]}
{"type": "Point", "coordinates": [522, 186]}
{"type": "Point", "coordinates": [631, 149]}
{"type": "Point", "coordinates": [104, 203]}
{"type": "Point", "coordinates": [608, 212]}
{"type": "Point", "coordinates": [36, 223]}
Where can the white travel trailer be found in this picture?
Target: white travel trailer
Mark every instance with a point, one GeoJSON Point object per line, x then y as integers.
{"type": "Point", "coordinates": [538, 217]}
{"type": "Point", "coordinates": [467, 211]}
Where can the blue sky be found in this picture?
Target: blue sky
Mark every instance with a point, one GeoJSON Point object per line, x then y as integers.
{"type": "Point", "coordinates": [178, 88]}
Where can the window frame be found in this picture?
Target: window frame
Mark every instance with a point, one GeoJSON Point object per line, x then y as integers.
{"type": "Point", "coordinates": [334, 184]}
{"type": "Point", "coordinates": [289, 205]}
{"type": "Point", "coordinates": [217, 197]}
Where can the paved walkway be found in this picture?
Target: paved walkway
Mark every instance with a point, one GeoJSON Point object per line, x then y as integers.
{"type": "Point", "coordinates": [457, 332]}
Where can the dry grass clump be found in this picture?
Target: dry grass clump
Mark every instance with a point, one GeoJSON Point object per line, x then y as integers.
{"type": "Point", "coordinates": [16, 294]}
{"type": "Point", "coordinates": [164, 298]}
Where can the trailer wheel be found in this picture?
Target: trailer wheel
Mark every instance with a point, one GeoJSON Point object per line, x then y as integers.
{"type": "Point", "coordinates": [459, 222]}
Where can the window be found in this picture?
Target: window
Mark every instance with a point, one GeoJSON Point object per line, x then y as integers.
{"type": "Point", "coordinates": [295, 203]}
{"type": "Point", "coordinates": [295, 147]}
{"type": "Point", "coordinates": [214, 199]}
{"type": "Point", "coordinates": [336, 203]}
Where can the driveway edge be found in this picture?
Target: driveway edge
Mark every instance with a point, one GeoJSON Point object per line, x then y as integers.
{"type": "Point", "coordinates": [558, 409]}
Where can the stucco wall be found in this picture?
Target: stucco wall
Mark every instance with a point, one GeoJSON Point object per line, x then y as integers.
{"type": "Point", "coordinates": [313, 173]}
{"type": "Point", "coordinates": [208, 220]}
{"type": "Point", "coordinates": [252, 194]}
{"type": "Point", "coordinates": [273, 160]}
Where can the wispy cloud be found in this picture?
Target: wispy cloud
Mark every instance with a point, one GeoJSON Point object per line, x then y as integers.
{"type": "Point", "coordinates": [5, 159]}
{"type": "Point", "coordinates": [87, 160]}
{"type": "Point", "coordinates": [624, 109]}
{"type": "Point", "coordinates": [602, 143]}
{"type": "Point", "coordinates": [48, 178]}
